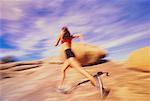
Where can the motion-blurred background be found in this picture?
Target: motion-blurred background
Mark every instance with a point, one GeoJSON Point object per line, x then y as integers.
{"type": "Point", "coordinates": [28, 28]}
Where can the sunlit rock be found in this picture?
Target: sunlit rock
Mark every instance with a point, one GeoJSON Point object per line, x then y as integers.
{"type": "Point", "coordinates": [85, 53]}
{"type": "Point", "coordinates": [139, 59]}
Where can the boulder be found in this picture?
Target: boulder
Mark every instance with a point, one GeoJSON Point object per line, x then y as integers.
{"type": "Point", "coordinates": [7, 59]}
{"type": "Point", "coordinates": [139, 59]}
{"type": "Point", "coordinates": [85, 53]}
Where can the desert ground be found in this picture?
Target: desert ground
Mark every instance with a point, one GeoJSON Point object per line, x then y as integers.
{"type": "Point", "coordinates": [38, 80]}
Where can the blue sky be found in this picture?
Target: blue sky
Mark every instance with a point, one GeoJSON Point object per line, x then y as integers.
{"type": "Point", "coordinates": [28, 28]}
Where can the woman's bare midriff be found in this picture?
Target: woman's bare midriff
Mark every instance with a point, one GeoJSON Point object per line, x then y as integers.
{"type": "Point", "coordinates": [65, 46]}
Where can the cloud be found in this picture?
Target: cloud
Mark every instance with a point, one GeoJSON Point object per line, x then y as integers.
{"type": "Point", "coordinates": [35, 25]}
{"type": "Point", "coordinates": [10, 9]}
{"type": "Point", "coordinates": [17, 53]}
{"type": "Point", "coordinates": [124, 40]}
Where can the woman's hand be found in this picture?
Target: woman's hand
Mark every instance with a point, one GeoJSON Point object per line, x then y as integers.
{"type": "Point", "coordinates": [79, 36]}
{"type": "Point", "coordinates": [55, 44]}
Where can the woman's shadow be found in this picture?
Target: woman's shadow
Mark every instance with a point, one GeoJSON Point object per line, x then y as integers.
{"type": "Point", "coordinates": [99, 61]}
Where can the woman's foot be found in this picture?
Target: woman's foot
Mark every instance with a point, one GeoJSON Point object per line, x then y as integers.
{"type": "Point", "coordinates": [60, 89]}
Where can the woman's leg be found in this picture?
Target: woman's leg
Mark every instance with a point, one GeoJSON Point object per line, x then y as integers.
{"type": "Point", "coordinates": [63, 71]}
{"type": "Point", "coordinates": [74, 63]}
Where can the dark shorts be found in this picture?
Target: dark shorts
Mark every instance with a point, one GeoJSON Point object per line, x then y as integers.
{"type": "Point", "coordinates": [69, 53]}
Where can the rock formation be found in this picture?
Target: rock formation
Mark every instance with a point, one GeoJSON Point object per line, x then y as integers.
{"type": "Point", "coordinates": [86, 54]}
{"type": "Point", "coordinates": [139, 59]}
{"type": "Point", "coordinates": [38, 81]}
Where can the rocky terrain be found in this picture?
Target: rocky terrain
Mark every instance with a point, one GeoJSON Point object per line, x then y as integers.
{"type": "Point", "coordinates": [38, 80]}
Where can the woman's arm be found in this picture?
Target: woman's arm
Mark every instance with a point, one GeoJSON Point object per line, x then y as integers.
{"type": "Point", "coordinates": [78, 36]}
{"type": "Point", "coordinates": [57, 41]}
